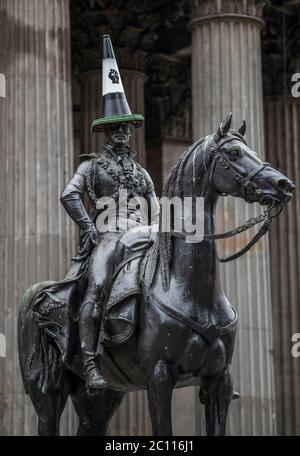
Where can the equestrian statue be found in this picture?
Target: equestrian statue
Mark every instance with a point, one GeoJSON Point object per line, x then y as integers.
{"type": "Point", "coordinates": [142, 307]}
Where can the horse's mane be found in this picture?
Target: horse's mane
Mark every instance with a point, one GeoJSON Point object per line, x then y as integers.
{"type": "Point", "coordinates": [162, 247]}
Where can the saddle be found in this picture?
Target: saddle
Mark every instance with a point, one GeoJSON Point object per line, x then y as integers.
{"type": "Point", "coordinates": [57, 304]}
{"type": "Point", "coordinates": [119, 320]}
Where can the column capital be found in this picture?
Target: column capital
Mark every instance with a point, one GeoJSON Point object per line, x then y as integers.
{"type": "Point", "coordinates": [281, 50]}
{"type": "Point", "coordinates": [220, 10]}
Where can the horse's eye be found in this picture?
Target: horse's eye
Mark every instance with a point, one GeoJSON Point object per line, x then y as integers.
{"type": "Point", "coordinates": [235, 153]}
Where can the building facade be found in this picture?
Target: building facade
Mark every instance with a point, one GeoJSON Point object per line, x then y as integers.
{"type": "Point", "coordinates": [185, 64]}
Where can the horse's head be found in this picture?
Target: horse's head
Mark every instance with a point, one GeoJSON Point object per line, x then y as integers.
{"type": "Point", "coordinates": [238, 171]}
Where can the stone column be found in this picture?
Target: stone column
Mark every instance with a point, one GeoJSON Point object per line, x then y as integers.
{"type": "Point", "coordinates": [132, 418]}
{"type": "Point", "coordinates": [133, 82]}
{"type": "Point", "coordinates": [36, 162]}
{"type": "Point", "coordinates": [227, 76]}
{"type": "Point", "coordinates": [282, 120]}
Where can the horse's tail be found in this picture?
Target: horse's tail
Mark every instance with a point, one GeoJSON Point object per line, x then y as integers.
{"type": "Point", "coordinates": [27, 328]}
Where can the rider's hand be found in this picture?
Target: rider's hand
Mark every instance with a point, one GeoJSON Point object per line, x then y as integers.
{"type": "Point", "coordinates": [88, 239]}
{"type": "Point", "coordinates": [93, 235]}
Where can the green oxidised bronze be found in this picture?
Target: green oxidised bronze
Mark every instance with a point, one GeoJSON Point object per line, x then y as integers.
{"type": "Point", "coordinates": [136, 119]}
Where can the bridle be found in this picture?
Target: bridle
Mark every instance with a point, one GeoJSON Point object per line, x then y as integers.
{"type": "Point", "coordinates": [247, 185]}
{"type": "Point", "coordinates": [245, 181]}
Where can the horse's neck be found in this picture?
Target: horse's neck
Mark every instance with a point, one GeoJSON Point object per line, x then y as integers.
{"type": "Point", "coordinates": [196, 265]}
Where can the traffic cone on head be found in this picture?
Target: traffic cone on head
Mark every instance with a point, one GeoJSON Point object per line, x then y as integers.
{"type": "Point", "coordinates": [115, 105]}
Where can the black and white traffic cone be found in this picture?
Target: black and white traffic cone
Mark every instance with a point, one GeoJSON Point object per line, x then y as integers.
{"type": "Point", "coordinates": [115, 105]}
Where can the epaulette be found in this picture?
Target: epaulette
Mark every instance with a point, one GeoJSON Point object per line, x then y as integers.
{"type": "Point", "coordinates": [88, 156]}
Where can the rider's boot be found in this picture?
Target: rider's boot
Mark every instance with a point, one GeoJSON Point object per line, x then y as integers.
{"type": "Point", "coordinates": [93, 378]}
{"type": "Point", "coordinates": [89, 330]}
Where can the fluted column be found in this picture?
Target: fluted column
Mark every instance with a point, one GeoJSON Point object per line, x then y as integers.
{"type": "Point", "coordinates": [282, 120]}
{"type": "Point", "coordinates": [132, 418]}
{"type": "Point", "coordinates": [226, 76]}
{"type": "Point", "coordinates": [36, 162]}
{"type": "Point", "coordinates": [133, 82]}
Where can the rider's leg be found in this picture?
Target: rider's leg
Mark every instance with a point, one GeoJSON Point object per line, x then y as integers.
{"type": "Point", "coordinates": [100, 271]}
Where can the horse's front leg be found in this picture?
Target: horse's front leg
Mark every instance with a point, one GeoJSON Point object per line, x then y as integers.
{"type": "Point", "coordinates": [217, 400]}
{"type": "Point", "coordinates": [159, 388]}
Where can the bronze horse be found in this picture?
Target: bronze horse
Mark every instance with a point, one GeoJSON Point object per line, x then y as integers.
{"type": "Point", "coordinates": [186, 327]}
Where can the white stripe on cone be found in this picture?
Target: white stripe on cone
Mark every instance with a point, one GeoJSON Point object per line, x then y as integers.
{"type": "Point", "coordinates": [111, 78]}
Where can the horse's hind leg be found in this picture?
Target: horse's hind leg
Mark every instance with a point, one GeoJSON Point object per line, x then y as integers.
{"type": "Point", "coordinates": [49, 406]}
{"type": "Point", "coordinates": [217, 399]}
{"type": "Point", "coordinates": [95, 411]}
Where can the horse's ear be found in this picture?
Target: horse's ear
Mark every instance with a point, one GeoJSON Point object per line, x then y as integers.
{"type": "Point", "coordinates": [224, 128]}
{"type": "Point", "coordinates": [242, 128]}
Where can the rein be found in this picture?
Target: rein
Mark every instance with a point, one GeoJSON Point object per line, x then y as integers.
{"type": "Point", "coordinates": [247, 184]}
{"type": "Point", "coordinates": [267, 216]}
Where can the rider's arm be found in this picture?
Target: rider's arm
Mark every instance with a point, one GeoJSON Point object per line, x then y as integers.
{"type": "Point", "coordinates": [71, 198]}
